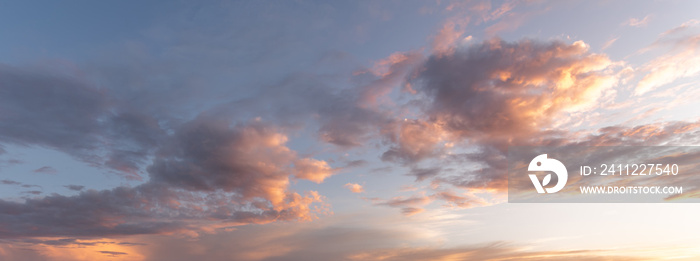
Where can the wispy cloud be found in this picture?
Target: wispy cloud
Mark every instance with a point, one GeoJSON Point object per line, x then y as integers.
{"type": "Point", "coordinates": [609, 43]}
{"type": "Point", "coordinates": [636, 22]}
{"type": "Point", "coordinates": [681, 61]}
{"type": "Point", "coordinates": [46, 170]}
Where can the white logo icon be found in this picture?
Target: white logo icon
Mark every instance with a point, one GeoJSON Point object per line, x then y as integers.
{"type": "Point", "coordinates": [542, 163]}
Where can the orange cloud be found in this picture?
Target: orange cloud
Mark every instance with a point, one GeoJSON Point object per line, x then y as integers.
{"type": "Point", "coordinates": [518, 88]}
{"type": "Point", "coordinates": [415, 140]}
{"type": "Point", "coordinates": [210, 175]}
{"type": "Point", "coordinates": [354, 187]}
{"type": "Point", "coordinates": [492, 95]}
{"type": "Point", "coordinates": [312, 169]}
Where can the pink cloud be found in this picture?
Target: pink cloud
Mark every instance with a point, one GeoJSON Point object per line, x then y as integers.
{"type": "Point", "coordinates": [635, 22]}
{"type": "Point", "coordinates": [354, 187]}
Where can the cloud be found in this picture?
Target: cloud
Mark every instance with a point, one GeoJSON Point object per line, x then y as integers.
{"type": "Point", "coordinates": [683, 27]}
{"type": "Point", "coordinates": [415, 204]}
{"type": "Point", "coordinates": [415, 141]}
{"type": "Point", "coordinates": [92, 213]}
{"type": "Point", "coordinates": [503, 18]}
{"type": "Point", "coordinates": [494, 94]}
{"type": "Point", "coordinates": [10, 182]}
{"type": "Point", "coordinates": [203, 172]}
{"type": "Point", "coordinates": [350, 117]}
{"type": "Point", "coordinates": [249, 160]}
{"type": "Point", "coordinates": [305, 242]}
{"type": "Point", "coordinates": [73, 241]}
{"type": "Point", "coordinates": [511, 21]}
{"type": "Point", "coordinates": [355, 188]}
{"type": "Point", "coordinates": [424, 173]}
{"type": "Point", "coordinates": [46, 170]}
{"type": "Point", "coordinates": [66, 112]}
{"type": "Point", "coordinates": [312, 169]}
{"type": "Point", "coordinates": [460, 201]}
{"type": "Point", "coordinates": [499, 88]}
{"type": "Point", "coordinates": [146, 209]}
{"type": "Point", "coordinates": [208, 174]}
{"type": "Point", "coordinates": [678, 133]}
{"type": "Point", "coordinates": [410, 211]}
{"type": "Point", "coordinates": [498, 94]}
{"type": "Point", "coordinates": [346, 118]}
{"type": "Point", "coordinates": [75, 187]}
{"type": "Point", "coordinates": [489, 173]}
{"type": "Point", "coordinates": [355, 163]}
{"type": "Point", "coordinates": [220, 169]}
{"type": "Point", "coordinates": [308, 243]}
{"type": "Point", "coordinates": [609, 43]}
{"type": "Point", "coordinates": [65, 115]}
{"type": "Point", "coordinates": [416, 200]}
{"type": "Point", "coordinates": [482, 10]}
{"type": "Point", "coordinates": [493, 251]}
{"type": "Point", "coordinates": [132, 114]}
{"type": "Point", "coordinates": [408, 205]}
{"type": "Point", "coordinates": [681, 61]}
{"type": "Point", "coordinates": [390, 72]}
{"type": "Point", "coordinates": [113, 253]}
{"type": "Point", "coordinates": [445, 41]}
{"type": "Point", "coordinates": [60, 249]}
{"type": "Point", "coordinates": [634, 22]}
{"type": "Point", "coordinates": [662, 143]}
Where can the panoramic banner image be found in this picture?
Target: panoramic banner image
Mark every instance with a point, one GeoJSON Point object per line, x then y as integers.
{"type": "Point", "coordinates": [349, 130]}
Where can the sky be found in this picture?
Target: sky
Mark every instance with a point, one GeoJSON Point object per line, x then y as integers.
{"type": "Point", "coordinates": [333, 130]}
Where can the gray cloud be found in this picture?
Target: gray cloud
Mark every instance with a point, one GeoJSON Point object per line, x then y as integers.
{"type": "Point", "coordinates": [49, 109]}
{"type": "Point", "coordinates": [250, 160]}
{"type": "Point", "coordinates": [113, 253]}
{"type": "Point", "coordinates": [91, 213]}
{"type": "Point", "coordinates": [228, 174]}
{"type": "Point", "coordinates": [422, 174]}
{"type": "Point", "coordinates": [67, 113]}
{"type": "Point", "coordinates": [75, 187]}
{"type": "Point", "coordinates": [10, 182]}
{"type": "Point", "coordinates": [46, 170]}
{"type": "Point", "coordinates": [206, 171]}
{"type": "Point", "coordinates": [510, 89]}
